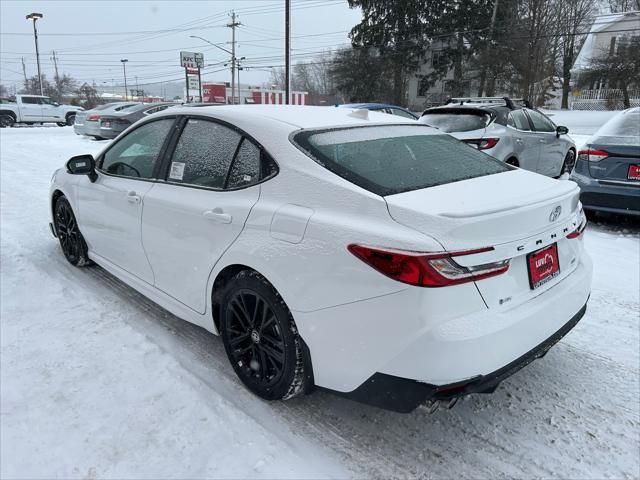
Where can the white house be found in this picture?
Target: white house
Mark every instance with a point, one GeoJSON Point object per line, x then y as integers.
{"type": "Point", "coordinates": [607, 33]}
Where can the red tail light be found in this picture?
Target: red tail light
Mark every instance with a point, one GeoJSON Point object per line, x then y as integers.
{"type": "Point", "coordinates": [94, 117]}
{"type": "Point", "coordinates": [581, 226]}
{"type": "Point", "coordinates": [427, 269]}
{"type": "Point", "coordinates": [483, 143]}
{"type": "Point", "coordinates": [592, 155]}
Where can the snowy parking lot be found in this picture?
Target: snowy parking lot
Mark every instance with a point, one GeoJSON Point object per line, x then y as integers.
{"type": "Point", "coordinates": [98, 382]}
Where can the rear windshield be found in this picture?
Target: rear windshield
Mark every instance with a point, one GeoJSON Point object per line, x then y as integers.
{"type": "Point", "coordinates": [622, 125]}
{"type": "Point", "coordinates": [456, 121]}
{"type": "Point", "coordinates": [393, 159]}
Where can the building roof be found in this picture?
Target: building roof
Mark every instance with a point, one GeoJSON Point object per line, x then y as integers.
{"type": "Point", "coordinates": [600, 23]}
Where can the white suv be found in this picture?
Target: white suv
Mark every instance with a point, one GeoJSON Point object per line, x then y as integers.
{"type": "Point", "coordinates": [514, 133]}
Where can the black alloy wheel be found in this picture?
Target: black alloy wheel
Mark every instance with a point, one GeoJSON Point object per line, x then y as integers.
{"type": "Point", "coordinates": [71, 119]}
{"type": "Point", "coordinates": [71, 240]}
{"type": "Point", "coordinates": [261, 339]}
{"type": "Point", "coordinates": [6, 121]}
{"type": "Point", "coordinates": [569, 162]}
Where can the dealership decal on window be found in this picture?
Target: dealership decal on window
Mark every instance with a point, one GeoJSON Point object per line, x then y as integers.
{"type": "Point", "coordinates": [177, 170]}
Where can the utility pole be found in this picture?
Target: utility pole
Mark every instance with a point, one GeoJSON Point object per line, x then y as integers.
{"type": "Point", "coordinates": [24, 72]}
{"type": "Point", "coordinates": [233, 26]}
{"type": "Point", "coordinates": [124, 69]}
{"type": "Point", "coordinates": [239, 85]}
{"type": "Point", "coordinates": [35, 16]}
{"type": "Point", "coordinates": [287, 50]}
{"type": "Point", "coordinates": [54, 59]}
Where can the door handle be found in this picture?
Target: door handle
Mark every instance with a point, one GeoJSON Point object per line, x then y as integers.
{"type": "Point", "coordinates": [133, 197]}
{"type": "Point", "coordinates": [217, 215]}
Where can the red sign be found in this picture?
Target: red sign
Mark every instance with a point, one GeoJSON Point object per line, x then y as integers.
{"type": "Point", "coordinates": [192, 71]}
{"type": "Point", "coordinates": [634, 172]}
{"type": "Point", "coordinates": [543, 266]}
{"type": "Point", "coordinates": [214, 93]}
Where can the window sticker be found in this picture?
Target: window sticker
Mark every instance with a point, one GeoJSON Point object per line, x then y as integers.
{"type": "Point", "coordinates": [177, 170]}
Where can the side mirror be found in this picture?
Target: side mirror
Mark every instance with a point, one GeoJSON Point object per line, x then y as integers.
{"type": "Point", "coordinates": [83, 165]}
{"type": "Point", "coordinates": [560, 130]}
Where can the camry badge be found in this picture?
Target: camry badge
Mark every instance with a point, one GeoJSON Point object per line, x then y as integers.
{"type": "Point", "coordinates": [555, 213]}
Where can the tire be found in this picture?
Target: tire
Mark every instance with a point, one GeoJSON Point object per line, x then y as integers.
{"type": "Point", "coordinates": [569, 162]}
{"type": "Point", "coordinates": [261, 338]}
{"type": "Point", "coordinates": [7, 121]}
{"type": "Point", "coordinates": [71, 240]}
{"type": "Point", "coordinates": [71, 119]}
{"type": "Point", "coordinates": [513, 162]}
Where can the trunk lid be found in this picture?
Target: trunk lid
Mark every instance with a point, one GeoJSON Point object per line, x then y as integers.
{"type": "Point", "coordinates": [486, 211]}
{"type": "Point", "coordinates": [516, 212]}
{"type": "Point", "coordinates": [623, 155]}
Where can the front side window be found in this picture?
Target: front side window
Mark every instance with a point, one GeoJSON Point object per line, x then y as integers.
{"type": "Point", "coordinates": [393, 159]}
{"type": "Point", "coordinates": [402, 113]}
{"type": "Point", "coordinates": [47, 101]}
{"type": "Point", "coordinates": [203, 154]}
{"type": "Point", "coordinates": [137, 154]}
{"type": "Point", "coordinates": [540, 122]}
{"type": "Point", "coordinates": [518, 119]}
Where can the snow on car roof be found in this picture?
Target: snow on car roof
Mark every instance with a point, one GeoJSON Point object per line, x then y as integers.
{"type": "Point", "coordinates": [295, 116]}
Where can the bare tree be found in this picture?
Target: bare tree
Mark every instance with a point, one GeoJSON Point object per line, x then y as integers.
{"type": "Point", "coordinates": [3, 91]}
{"type": "Point", "coordinates": [619, 68]}
{"type": "Point", "coordinates": [574, 16]}
{"type": "Point", "coordinates": [618, 6]}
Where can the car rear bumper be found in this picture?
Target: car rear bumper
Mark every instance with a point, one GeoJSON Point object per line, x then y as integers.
{"type": "Point", "coordinates": [404, 395]}
{"type": "Point", "coordinates": [605, 196]}
{"type": "Point", "coordinates": [436, 339]}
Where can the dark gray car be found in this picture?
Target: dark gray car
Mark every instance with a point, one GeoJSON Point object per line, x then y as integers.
{"type": "Point", "coordinates": [114, 123]}
{"type": "Point", "coordinates": [608, 166]}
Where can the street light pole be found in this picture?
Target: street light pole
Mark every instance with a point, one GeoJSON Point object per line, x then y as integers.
{"type": "Point", "coordinates": [124, 69]}
{"type": "Point", "coordinates": [232, 53]}
{"type": "Point", "coordinates": [35, 16]}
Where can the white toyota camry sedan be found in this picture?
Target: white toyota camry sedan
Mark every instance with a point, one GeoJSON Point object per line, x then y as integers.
{"type": "Point", "coordinates": [353, 251]}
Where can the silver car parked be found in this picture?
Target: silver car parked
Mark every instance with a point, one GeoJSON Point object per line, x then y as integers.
{"type": "Point", "coordinates": [508, 130]}
{"type": "Point", "coordinates": [88, 122]}
{"type": "Point", "coordinates": [112, 123]}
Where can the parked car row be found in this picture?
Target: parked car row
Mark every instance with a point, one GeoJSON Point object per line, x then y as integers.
{"type": "Point", "coordinates": [109, 120]}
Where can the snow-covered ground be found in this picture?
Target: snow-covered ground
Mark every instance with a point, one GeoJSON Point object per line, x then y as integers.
{"type": "Point", "coordinates": [98, 382]}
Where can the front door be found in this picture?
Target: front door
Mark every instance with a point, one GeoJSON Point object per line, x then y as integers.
{"type": "Point", "coordinates": [526, 144]}
{"type": "Point", "coordinates": [111, 208]}
{"type": "Point", "coordinates": [191, 219]}
{"type": "Point", "coordinates": [551, 155]}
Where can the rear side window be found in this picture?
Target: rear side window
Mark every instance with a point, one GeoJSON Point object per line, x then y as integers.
{"type": "Point", "coordinates": [31, 100]}
{"type": "Point", "coordinates": [518, 119]}
{"type": "Point", "coordinates": [393, 159]}
{"type": "Point", "coordinates": [456, 122]}
{"type": "Point", "coordinates": [246, 166]}
{"type": "Point", "coordinates": [203, 154]}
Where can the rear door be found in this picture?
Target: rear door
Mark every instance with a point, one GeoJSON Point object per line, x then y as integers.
{"type": "Point", "coordinates": [190, 219]}
{"type": "Point", "coordinates": [527, 146]}
{"type": "Point", "coordinates": [31, 108]}
{"type": "Point", "coordinates": [551, 147]}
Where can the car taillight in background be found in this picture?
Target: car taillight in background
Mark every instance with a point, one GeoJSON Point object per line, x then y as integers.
{"type": "Point", "coordinates": [592, 155]}
{"type": "Point", "coordinates": [94, 117]}
{"type": "Point", "coordinates": [482, 143]}
{"type": "Point", "coordinates": [427, 269]}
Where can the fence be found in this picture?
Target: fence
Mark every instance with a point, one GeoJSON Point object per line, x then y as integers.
{"type": "Point", "coordinates": [602, 99]}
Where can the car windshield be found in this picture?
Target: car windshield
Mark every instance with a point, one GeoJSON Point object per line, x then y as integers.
{"type": "Point", "coordinates": [393, 159]}
{"type": "Point", "coordinates": [624, 128]}
{"type": "Point", "coordinates": [451, 121]}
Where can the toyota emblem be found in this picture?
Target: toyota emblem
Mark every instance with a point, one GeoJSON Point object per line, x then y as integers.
{"type": "Point", "coordinates": [555, 213]}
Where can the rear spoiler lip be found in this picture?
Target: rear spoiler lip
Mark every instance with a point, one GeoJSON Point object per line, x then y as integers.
{"type": "Point", "coordinates": [488, 211]}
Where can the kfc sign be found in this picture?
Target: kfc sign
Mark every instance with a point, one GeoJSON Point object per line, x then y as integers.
{"type": "Point", "coordinates": [191, 60]}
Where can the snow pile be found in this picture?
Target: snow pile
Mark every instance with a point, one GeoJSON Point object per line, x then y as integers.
{"type": "Point", "coordinates": [97, 381]}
